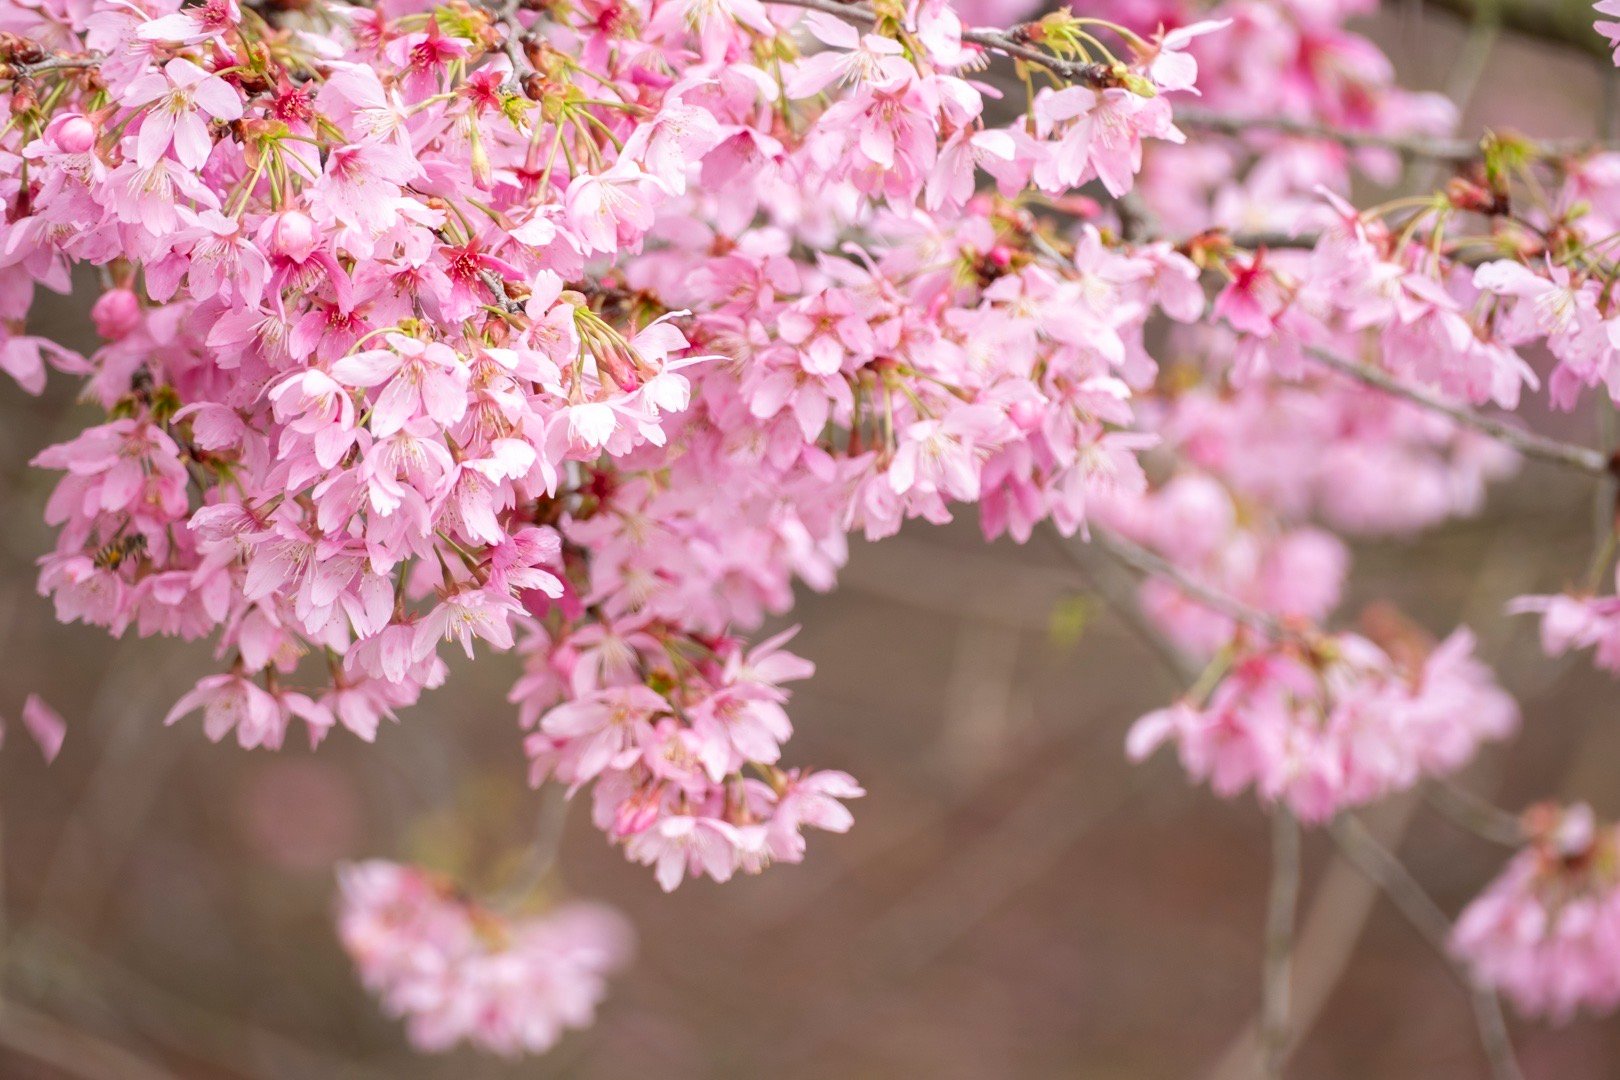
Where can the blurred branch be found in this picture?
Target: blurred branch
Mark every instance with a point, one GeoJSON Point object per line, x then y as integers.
{"type": "Point", "coordinates": [1403, 890]}
{"type": "Point", "coordinates": [944, 907]}
{"type": "Point", "coordinates": [1121, 601]}
{"type": "Point", "coordinates": [1528, 443]}
{"type": "Point", "coordinates": [539, 857]}
{"type": "Point", "coordinates": [1468, 811]}
{"type": "Point", "coordinates": [1281, 905]}
{"type": "Point", "coordinates": [1424, 147]}
{"type": "Point", "coordinates": [1566, 23]}
{"type": "Point", "coordinates": [74, 1051]}
{"type": "Point", "coordinates": [1151, 564]}
{"type": "Point", "coordinates": [197, 1031]}
{"type": "Point", "coordinates": [1324, 945]}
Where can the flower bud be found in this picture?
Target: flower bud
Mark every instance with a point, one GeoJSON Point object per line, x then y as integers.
{"type": "Point", "coordinates": [116, 314]}
{"type": "Point", "coordinates": [293, 235]}
{"type": "Point", "coordinates": [71, 133]}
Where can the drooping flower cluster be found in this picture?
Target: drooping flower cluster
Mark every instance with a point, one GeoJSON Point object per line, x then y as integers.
{"type": "Point", "coordinates": [1546, 932]}
{"type": "Point", "coordinates": [1335, 722]}
{"type": "Point", "coordinates": [400, 322]}
{"type": "Point", "coordinates": [663, 726]}
{"type": "Point", "coordinates": [457, 971]}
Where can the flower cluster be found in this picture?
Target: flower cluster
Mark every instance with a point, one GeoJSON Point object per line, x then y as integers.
{"type": "Point", "coordinates": [457, 971]}
{"type": "Point", "coordinates": [1336, 722]}
{"type": "Point", "coordinates": [1546, 932]}
{"type": "Point", "coordinates": [663, 726]}
{"type": "Point", "coordinates": [400, 322]}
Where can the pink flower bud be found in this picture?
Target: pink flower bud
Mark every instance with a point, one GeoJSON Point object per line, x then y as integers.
{"type": "Point", "coordinates": [116, 314]}
{"type": "Point", "coordinates": [637, 813]}
{"type": "Point", "coordinates": [293, 235]}
{"type": "Point", "coordinates": [71, 133]}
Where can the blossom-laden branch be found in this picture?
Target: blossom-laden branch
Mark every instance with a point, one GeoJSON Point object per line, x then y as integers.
{"type": "Point", "coordinates": [1580, 458]}
{"type": "Point", "coordinates": [1013, 42]}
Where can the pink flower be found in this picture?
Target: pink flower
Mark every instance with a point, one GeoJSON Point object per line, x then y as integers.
{"type": "Point", "coordinates": [207, 21]}
{"type": "Point", "coordinates": [814, 800]}
{"type": "Point", "coordinates": [852, 57]}
{"type": "Point", "coordinates": [1608, 29]}
{"type": "Point", "coordinates": [681, 843]}
{"type": "Point", "coordinates": [46, 725]}
{"type": "Point", "coordinates": [178, 99]}
{"type": "Point", "coordinates": [465, 615]}
{"type": "Point", "coordinates": [418, 378]}
{"type": "Point", "coordinates": [601, 727]}
{"type": "Point", "coordinates": [231, 702]}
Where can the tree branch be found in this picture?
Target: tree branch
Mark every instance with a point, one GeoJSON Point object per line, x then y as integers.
{"type": "Point", "coordinates": [1528, 443]}
{"type": "Point", "coordinates": [1277, 974]}
{"type": "Point", "coordinates": [49, 64]}
{"type": "Point", "coordinates": [1408, 146]}
{"type": "Point", "coordinates": [1566, 23]}
{"type": "Point", "coordinates": [1403, 890]}
{"type": "Point", "coordinates": [1147, 562]}
{"type": "Point", "coordinates": [1468, 811]}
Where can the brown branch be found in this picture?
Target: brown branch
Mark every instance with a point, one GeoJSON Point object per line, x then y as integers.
{"type": "Point", "coordinates": [1408, 896]}
{"type": "Point", "coordinates": [1119, 596]}
{"type": "Point", "coordinates": [73, 1050]}
{"type": "Point", "coordinates": [1468, 811]}
{"type": "Point", "coordinates": [1151, 564]}
{"type": "Point", "coordinates": [1408, 146]}
{"type": "Point", "coordinates": [13, 71]}
{"type": "Point", "coordinates": [1566, 23]}
{"type": "Point", "coordinates": [1277, 972]}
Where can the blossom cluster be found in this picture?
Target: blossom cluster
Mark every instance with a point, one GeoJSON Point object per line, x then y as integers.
{"type": "Point", "coordinates": [1334, 723]}
{"type": "Point", "coordinates": [1547, 930]}
{"type": "Point", "coordinates": [381, 374]}
{"type": "Point", "coordinates": [666, 764]}
{"type": "Point", "coordinates": [458, 971]}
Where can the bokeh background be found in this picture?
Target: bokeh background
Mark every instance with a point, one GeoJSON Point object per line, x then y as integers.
{"type": "Point", "coordinates": [1015, 900]}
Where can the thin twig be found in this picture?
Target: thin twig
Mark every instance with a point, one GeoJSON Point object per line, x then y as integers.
{"type": "Point", "coordinates": [1403, 890]}
{"type": "Point", "coordinates": [1558, 22]}
{"type": "Point", "coordinates": [1002, 41]}
{"type": "Point", "coordinates": [1470, 812]}
{"type": "Point", "coordinates": [1581, 458]}
{"type": "Point", "coordinates": [1120, 600]}
{"type": "Point", "coordinates": [1147, 562]}
{"type": "Point", "coordinates": [1277, 973]}
{"type": "Point", "coordinates": [74, 1051]}
{"type": "Point", "coordinates": [47, 65]}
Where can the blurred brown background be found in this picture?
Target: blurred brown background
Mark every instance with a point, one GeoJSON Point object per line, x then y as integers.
{"type": "Point", "coordinates": [1015, 900]}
